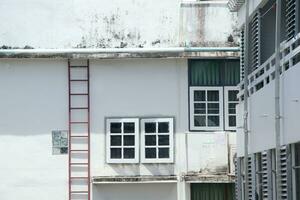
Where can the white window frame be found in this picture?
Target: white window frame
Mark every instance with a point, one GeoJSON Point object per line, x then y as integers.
{"type": "Point", "coordinates": [171, 141]}
{"type": "Point", "coordinates": [192, 114]}
{"type": "Point", "coordinates": [136, 140]}
{"type": "Point", "coordinates": [226, 107]}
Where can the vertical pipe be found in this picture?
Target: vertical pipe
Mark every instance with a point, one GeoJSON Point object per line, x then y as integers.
{"type": "Point", "coordinates": [69, 131]}
{"type": "Point", "coordinates": [89, 129]}
{"type": "Point", "coordinates": [277, 97]}
{"type": "Point", "coordinates": [246, 193]}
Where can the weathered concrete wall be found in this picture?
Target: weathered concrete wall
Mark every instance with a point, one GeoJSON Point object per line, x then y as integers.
{"type": "Point", "coordinates": [34, 101]}
{"type": "Point", "coordinates": [113, 23]}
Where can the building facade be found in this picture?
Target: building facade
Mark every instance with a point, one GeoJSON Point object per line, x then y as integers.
{"type": "Point", "coordinates": [273, 107]}
{"type": "Point", "coordinates": [106, 100]}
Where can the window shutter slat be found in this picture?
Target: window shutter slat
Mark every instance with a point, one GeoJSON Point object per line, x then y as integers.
{"type": "Point", "coordinates": [255, 41]}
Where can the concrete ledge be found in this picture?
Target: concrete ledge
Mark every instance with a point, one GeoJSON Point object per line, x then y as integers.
{"type": "Point", "coordinates": [198, 178]}
{"type": "Point", "coordinates": [133, 179]}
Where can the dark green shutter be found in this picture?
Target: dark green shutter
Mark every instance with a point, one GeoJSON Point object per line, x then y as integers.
{"type": "Point", "coordinates": [214, 72]}
{"type": "Point", "coordinates": [212, 191]}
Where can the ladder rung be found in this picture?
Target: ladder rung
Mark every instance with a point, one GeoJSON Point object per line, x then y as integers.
{"type": "Point", "coordinates": [79, 66]}
{"type": "Point", "coordinates": [79, 177]}
{"type": "Point", "coordinates": [79, 163]}
{"type": "Point", "coordinates": [79, 94]}
{"type": "Point", "coordinates": [79, 192]}
{"type": "Point", "coordinates": [79, 122]}
{"type": "Point", "coordinates": [79, 108]}
{"type": "Point", "coordinates": [79, 150]}
{"type": "Point", "coordinates": [79, 136]}
{"type": "Point", "coordinates": [79, 80]}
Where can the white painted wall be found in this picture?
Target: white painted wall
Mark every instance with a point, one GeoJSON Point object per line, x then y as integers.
{"type": "Point", "coordinates": [262, 111]}
{"type": "Point", "coordinates": [166, 191]}
{"type": "Point", "coordinates": [34, 101]}
{"type": "Point", "coordinates": [112, 23]}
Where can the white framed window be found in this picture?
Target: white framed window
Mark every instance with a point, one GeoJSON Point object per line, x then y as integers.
{"type": "Point", "coordinates": [122, 140]}
{"type": "Point", "coordinates": [157, 142]}
{"type": "Point", "coordinates": [231, 101]}
{"type": "Point", "coordinates": [59, 142]}
{"type": "Point", "coordinates": [206, 108]}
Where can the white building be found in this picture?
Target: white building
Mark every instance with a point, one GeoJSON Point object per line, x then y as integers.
{"type": "Point", "coordinates": [110, 100]}
{"type": "Point", "coordinates": [271, 126]}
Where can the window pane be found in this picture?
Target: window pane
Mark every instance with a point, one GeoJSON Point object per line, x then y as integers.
{"type": "Point", "coordinates": [213, 121]}
{"type": "Point", "coordinates": [128, 127]}
{"type": "Point", "coordinates": [56, 138]}
{"type": "Point", "coordinates": [128, 153]}
{"type": "Point", "coordinates": [150, 140]}
{"type": "Point", "coordinates": [64, 150]}
{"type": "Point", "coordinates": [163, 140]}
{"type": "Point", "coordinates": [115, 127]}
{"type": "Point", "coordinates": [199, 95]}
{"type": "Point", "coordinates": [150, 152]}
{"type": "Point", "coordinates": [232, 95]}
{"type": "Point", "coordinates": [213, 108]}
{"type": "Point", "coordinates": [115, 153]}
{"type": "Point", "coordinates": [163, 153]}
{"type": "Point", "coordinates": [115, 140]}
{"type": "Point", "coordinates": [128, 140]}
{"type": "Point", "coordinates": [163, 127]}
{"type": "Point", "coordinates": [150, 127]}
{"type": "Point", "coordinates": [199, 120]}
{"type": "Point", "coordinates": [212, 95]}
{"type": "Point", "coordinates": [231, 108]}
{"type": "Point", "coordinates": [232, 121]}
{"type": "Point", "coordinates": [199, 108]}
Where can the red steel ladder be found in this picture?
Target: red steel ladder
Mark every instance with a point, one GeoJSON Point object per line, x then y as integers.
{"type": "Point", "coordinates": [79, 130]}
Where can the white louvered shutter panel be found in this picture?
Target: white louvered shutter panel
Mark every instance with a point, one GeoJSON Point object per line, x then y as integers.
{"type": "Point", "coordinates": [290, 17]}
{"type": "Point", "coordinates": [242, 58]}
{"type": "Point", "coordinates": [255, 41]}
{"type": "Point", "coordinates": [284, 172]}
{"type": "Point", "coordinates": [251, 177]}
{"type": "Point", "coordinates": [266, 159]}
{"type": "Point", "coordinates": [238, 178]}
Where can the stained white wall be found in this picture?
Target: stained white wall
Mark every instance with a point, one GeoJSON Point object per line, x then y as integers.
{"type": "Point", "coordinates": [34, 101]}
{"type": "Point", "coordinates": [165, 191]}
{"type": "Point", "coordinates": [113, 23]}
{"type": "Point", "coordinates": [262, 112]}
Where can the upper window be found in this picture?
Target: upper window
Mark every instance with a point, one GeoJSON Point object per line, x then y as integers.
{"type": "Point", "coordinates": [122, 140]}
{"type": "Point", "coordinates": [206, 108]}
{"type": "Point", "coordinates": [157, 140]}
{"type": "Point", "coordinates": [59, 142]}
{"type": "Point", "coordinates": [231, 101]}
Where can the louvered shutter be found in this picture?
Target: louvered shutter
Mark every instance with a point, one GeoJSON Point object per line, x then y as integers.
{"type": "Point", "coordinates": [291, 14]}
{"type": "Point", "coordinates": [251, 177]}
{"type": "Point", "coordinates": [238, 178]}
{"type": "Point", "coordinates": [266, 159]}
{"type": "Point", "coordinates": [255, 41]}
{"type": "Point", "coordinates": [242, 57]}
{"type": "Point", "coordinates": [285, 173]}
